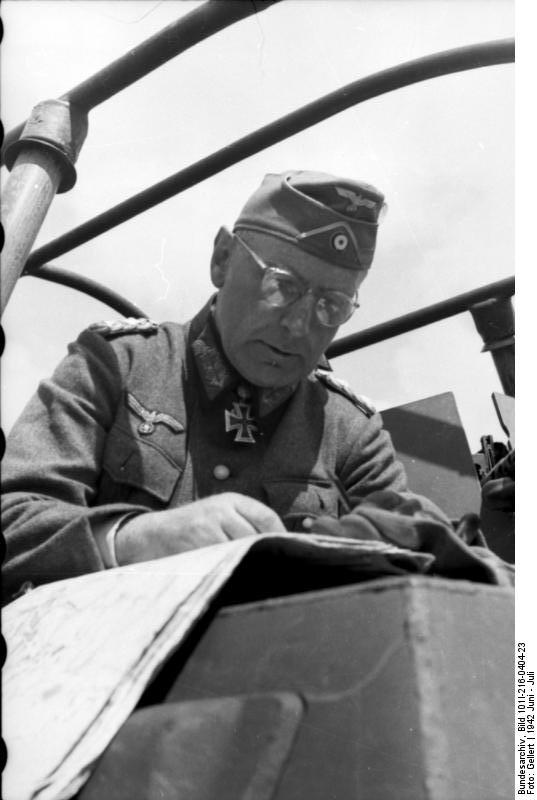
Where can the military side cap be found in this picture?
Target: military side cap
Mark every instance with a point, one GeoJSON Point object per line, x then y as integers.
{"type": "Point", "coordinates": [335, 219]}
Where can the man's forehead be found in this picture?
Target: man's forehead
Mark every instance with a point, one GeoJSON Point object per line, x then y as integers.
{"type": "Point", "coordinates": [315, 271]}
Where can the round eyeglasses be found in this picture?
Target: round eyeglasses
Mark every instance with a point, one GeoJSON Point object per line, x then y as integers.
{"type": "Point", "coordinates": [280, 288]}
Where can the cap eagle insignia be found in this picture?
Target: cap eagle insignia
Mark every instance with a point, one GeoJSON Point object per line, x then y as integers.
{"type": "Point", "coordinates": [355, 200]}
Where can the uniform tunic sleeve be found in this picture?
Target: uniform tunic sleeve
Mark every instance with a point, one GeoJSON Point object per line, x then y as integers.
{"type": "Point", "coordinates": [370, 465]}
{"type": "Point", "coordinates": [52, 466]}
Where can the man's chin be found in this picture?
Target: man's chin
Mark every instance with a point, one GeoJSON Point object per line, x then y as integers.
{"type": "Point", "coordinates": [266, 367]}
{"type": "Point", "coordinates": [271, 376]}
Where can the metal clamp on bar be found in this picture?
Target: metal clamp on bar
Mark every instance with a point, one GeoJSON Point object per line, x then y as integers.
{"type": "Point", "coordinates": [194, 27]}
{"type": "Point", "coordinates": [61, 129]}
{"type": "Point", "coordinates": [42, 163]}
{"type": "Point", "coordinates": [494, 320]}
{"type": "Point", "coordinates": [424, 316]}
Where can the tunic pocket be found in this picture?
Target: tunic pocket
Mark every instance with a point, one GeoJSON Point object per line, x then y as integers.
{"type": "Point", "coordinates": [293, 499]}
{"type": "Point", "coordinates": [134, 468]}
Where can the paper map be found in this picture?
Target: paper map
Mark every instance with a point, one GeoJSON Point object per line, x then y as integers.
{"type": "Point", "coordinates": [81, 652]}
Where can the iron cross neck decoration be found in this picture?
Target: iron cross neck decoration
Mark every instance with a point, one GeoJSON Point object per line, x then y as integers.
{"type": "Point", "coordinates": [241, 418]}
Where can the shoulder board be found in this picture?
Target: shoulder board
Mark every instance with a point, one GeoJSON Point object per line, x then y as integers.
{"type": "Point", "coordinates": [120, 327]}
{"type": "Point", "coordinates": [342, 387]}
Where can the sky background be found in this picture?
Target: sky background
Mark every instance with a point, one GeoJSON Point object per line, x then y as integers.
{"type": "Point", "coordinates": [442, 151]}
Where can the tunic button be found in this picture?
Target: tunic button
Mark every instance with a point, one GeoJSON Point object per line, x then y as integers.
{"type": "Point", "coordinates": [307, 523]}
{"type": "Point", "coordinates": [221, 472]}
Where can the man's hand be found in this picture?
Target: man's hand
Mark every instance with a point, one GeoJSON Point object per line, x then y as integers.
{"type": "Point", "coordinates": [209, 521]}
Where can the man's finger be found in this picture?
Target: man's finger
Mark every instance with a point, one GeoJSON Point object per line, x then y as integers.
{"type": "Point", "coordinates": [236, 526]}
{"type": "Point", "coordinates": [263, 518]}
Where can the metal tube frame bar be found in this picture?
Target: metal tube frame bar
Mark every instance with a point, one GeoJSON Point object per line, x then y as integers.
{"type": "Point", "coordinates": [59, 127]}
{"type": "Point", "coordinates": [194, 27]}
{"type": "Point", "coordinates": [418, 319]}
{"type": "Point", "coordinates": [28, 194]}
{"type": "Point", "coordinates": [120, 74]}
{"type": "Point", "coordinates": [42, 164]}
{"type": "Point", "coordinates": [81, 283]}
{"type": "Point", "coordinates": [410, 72]}
{"type": "Point", "coordinates": [356, 341]}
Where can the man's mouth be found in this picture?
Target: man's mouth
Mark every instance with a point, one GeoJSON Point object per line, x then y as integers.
{"type": "Point", "coordinates": [280, 353]}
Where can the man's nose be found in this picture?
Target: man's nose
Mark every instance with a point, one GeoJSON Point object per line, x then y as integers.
{"type": "Point", "coordinates": [297, 317]}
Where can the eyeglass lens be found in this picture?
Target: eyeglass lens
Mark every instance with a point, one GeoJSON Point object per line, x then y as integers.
{"type": "Point", "coordinates": [280, 289]}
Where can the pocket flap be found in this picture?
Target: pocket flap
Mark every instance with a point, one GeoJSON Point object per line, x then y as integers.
{"type": "Point", "coordinates": [137, 463]}
{"type": "Point", "coordinates": [302, 496]}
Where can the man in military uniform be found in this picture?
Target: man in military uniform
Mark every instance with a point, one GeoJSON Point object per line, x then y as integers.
{"type": "Point", "coordinates": [150, 439]}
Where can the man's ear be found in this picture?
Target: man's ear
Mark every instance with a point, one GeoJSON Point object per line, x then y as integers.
{"type": "Point", "coordinates": [220, 257]}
